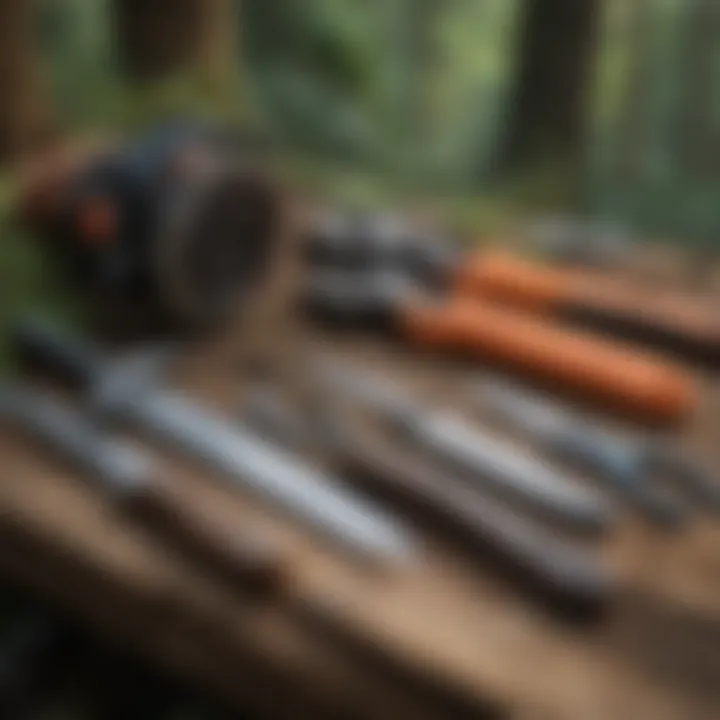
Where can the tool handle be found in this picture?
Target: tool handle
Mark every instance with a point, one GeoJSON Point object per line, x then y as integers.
{"type": "Point", "coordinates": [45, 348]}
{"type": "Point", "coordinates": [638, 386]}
{"type": "Point", "coordinates": [512, 281]}
{"type": "Point", "coordinates": [553, 567]}
{"type": "Point", "coordinates": [245, 557]}
{"type": "Point", "coordinates": [670, 322]}
{"type": "Point", "coordinates": [358, 301]}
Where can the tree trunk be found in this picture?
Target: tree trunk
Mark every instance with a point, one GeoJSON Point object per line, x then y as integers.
{"type": "Point", "coordinates": [412, 37]}
{"type": "Point", "coordinates": [218, 43]}
{"type": "Point", "coordinates": [22, 112]}
{"type": "Point", "coordinates": [700, 140]}
{"type": "Point", "coordinates": [158, 38]}
{"type": "Point", "coordinates": [422, 58]}
{"type": "Point", "coordinates": [633, 129]}
{"type": "Point", "coordinates": [556, 48]}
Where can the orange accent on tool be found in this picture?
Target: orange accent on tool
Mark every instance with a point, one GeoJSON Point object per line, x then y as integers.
{"type": "Point", "coordinates": [512, 280]}
{"type": "Point", "coordinates": [636, 385]}
{"type": "Point", "coordinates": [678, 323]}
{"type": "Point", "coordinates": [97, 220]}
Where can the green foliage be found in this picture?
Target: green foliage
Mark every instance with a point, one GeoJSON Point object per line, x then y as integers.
{"type": "Point", "coordinates": [467, 88]}
{"type": "Point", "coordinates": [138, 106]}
{"type": "Point", "coordinates": [655, 131]}
{"type": "Point", "coordinates": [411, 88]}
{"type": "Point", "coordinates": [311, 68]}
{"type": "Point", "coordinates": [77, 58]}
{"type": "Point", "coordinates": [321, 35]}
{"type": "Point", "coordinates": [27, 279]}
{"type": "Point", "coordinates": [471, 214]}
{"type": "Point", "coordinates": [411, 91]}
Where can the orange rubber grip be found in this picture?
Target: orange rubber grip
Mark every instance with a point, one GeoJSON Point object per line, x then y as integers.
{"type": "Point", "coordinates": [681, 323]}
{"type": "Point", "coordinates": [638, 386]}
{"type": "Point", "coordinates": [516, 282]}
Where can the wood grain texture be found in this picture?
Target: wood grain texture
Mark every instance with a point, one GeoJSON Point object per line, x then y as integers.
{"type": "Point", "coordinates": [444, 638]}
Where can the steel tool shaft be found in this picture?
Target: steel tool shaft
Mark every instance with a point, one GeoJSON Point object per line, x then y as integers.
{"type": "Point", "coordinates": [118, 466]}
{"type": "Point", "coordinates": [130, 476]}
{"type": "Point", "coordinates": [562, 571]}
{"type": "Point", "coordinates": [499, 465]}
{"type": "Point", "coordinates": [252, 463]}
{"type": "Point", "coordinates": [315, 498]}
{"type": "Point", "coordinates": [626, 463]}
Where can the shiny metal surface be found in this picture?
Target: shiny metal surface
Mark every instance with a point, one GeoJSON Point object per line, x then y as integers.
{"type": "Point", "coordinates": [113, 462]}
{"type": "Point", "coordinates": [620, 462]}
{"type": "Point", "coordinates": [490, 461]}
{"type": "Point", "coordinates": [257, 465]}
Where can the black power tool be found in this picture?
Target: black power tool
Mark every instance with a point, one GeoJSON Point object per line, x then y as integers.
{"type": "Point", "coordinates": [178, 224]}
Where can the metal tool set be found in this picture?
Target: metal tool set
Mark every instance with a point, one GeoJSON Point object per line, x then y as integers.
{"type": "Point", "coordinates": [246, 460]}
{"type": "Point", "coordinates": [539, 504]}
{"type": "Point", "coordinates": [548, 565]}
{"type": "Point", "coordinates": [455, 318]}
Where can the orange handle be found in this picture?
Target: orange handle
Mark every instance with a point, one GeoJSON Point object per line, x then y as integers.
{"type": "Point", "coordinates": [513, 281]}
{"type": "Point", "coordinates": [679, 323]}
{"type": "Point", "coordinates": [638, 386]}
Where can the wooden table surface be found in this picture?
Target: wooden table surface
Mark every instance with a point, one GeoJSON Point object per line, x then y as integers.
{"type": "Point", "coordinates": [443, 637]}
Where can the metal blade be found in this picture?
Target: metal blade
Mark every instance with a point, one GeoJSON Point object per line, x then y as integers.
{"type": "Point", "coordinates": [501, 465]}
{"type": "Point", "coordinates": [619, 461]}
{"type": "Point", "coordinates": [513, 471]}
{"type": "Point", "coordinates": [261, 467]}
{"type": "Point", "coordinates": [74, 436]}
